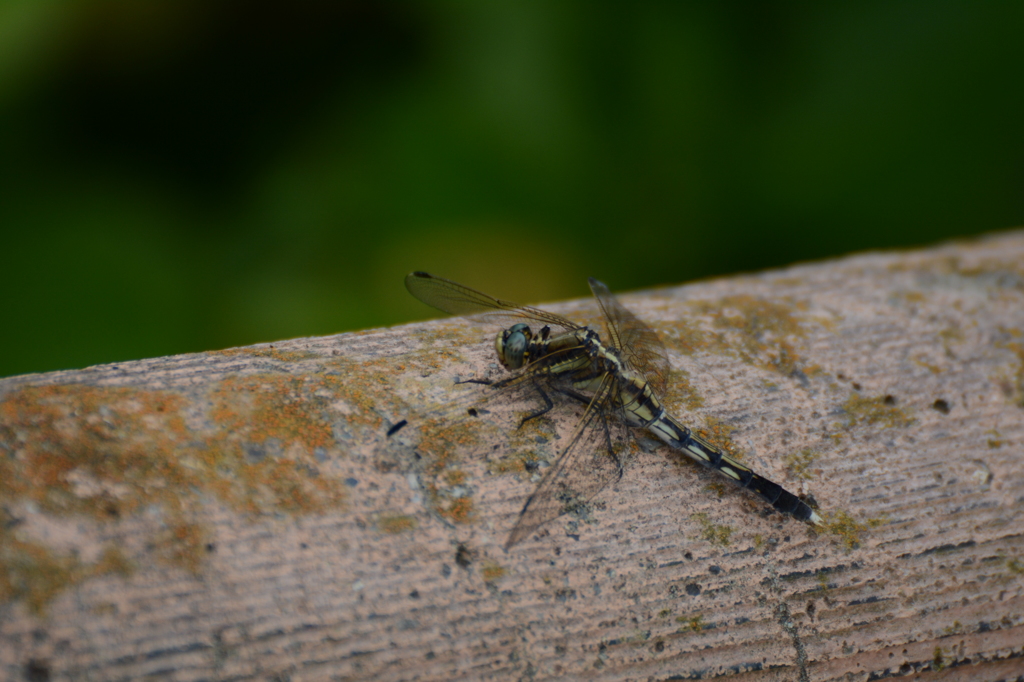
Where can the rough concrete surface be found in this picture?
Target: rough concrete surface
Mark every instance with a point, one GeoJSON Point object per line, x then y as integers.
{"type": "Point", "coordinates": [245, 514]}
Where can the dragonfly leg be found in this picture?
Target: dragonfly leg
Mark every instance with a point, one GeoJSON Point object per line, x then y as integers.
{"type": "Point", "coordinates": [579, 397]}
{"type": "Point", "coordinates": [548, 405]}
{"type": "Point", "coordinates": [610, 447]}
{"type": "Point", "coordinates": [485, 382]}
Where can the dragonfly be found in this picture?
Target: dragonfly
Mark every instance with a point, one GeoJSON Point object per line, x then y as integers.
{"type": "Point", "coordinates": [618, 379]}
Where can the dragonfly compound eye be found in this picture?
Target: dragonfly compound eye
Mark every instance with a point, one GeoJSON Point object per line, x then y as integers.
{"type": "Point", "coordinates": [512, 344]}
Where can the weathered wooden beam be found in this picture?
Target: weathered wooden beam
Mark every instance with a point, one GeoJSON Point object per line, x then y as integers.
{"type": "Point", "coordinates": [245, 514]}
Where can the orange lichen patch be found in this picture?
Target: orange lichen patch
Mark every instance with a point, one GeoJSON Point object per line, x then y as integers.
{"type": "Point", "coordinates": [290, 409]}
{"type": "Point", "coordinates": [107, 452]}
{"type": "Point", "coordinates": [293, 485]}
{"type": "Point", "coordinates": [458, 510]}
{"type": "Point", "coordinates": [683, 335]}
{"type": "Point", "coordinates": [396, 523]}
{"type": "Point", "coordinates": [90, 450]}
{"type": "Point", "coordinates": [455, 477]}
{"type": "Point", "coordinates": [182, 544]}
{"type": "Point", "coordinates": [102, 452]}
{"type": "Point", "coordinates": [680, 392]}
{"type": "Point", "coordinates": [443, 443]}
{"type": "Point", "coordinates": [880, 410]}
{"type": "Point", "coordinates": [715, 485]}
{"type": "Point", "coordinates": [719, 434]}
{"type": "Point", "coordinates": [262, 455]}
{"type": "Point", "coordinates": [449, 498]}
{"type": "Point", "coordinates": [270, 429]}
{"type": "Point", "coordinates": [492, 572]}
{"type": "Point", "coordinates": [366, 390]}
{"type": "Point", "coordinates": [268, 352]}
{"type": "Point", "coordinates": [758, 331]}
{"type": "Point", "coordinates": [442, 440]}
{"type": "Point", "coordinates": [996, 440]}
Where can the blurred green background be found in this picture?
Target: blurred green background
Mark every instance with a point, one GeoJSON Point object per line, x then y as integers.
{"type": "Point", "coordinates": [185, 175]}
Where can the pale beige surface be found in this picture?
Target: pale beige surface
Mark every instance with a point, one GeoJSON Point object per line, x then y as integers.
{"type": "Point", "coordinates": [243, 515]}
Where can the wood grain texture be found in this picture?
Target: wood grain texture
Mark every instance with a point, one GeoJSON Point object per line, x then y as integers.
{"type": "Point", "coordinates": [244, 514]}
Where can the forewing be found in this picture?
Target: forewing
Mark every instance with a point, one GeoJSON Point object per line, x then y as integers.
{"type": "Point", "coordinates": [592, 459]}
{"type": "Point", "coordinates": [640, 346]}
{"type": "Point", "coordinates": [457, 299]}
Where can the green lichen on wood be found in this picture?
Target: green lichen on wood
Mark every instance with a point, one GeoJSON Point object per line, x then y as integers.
{"type": "Point", "coordinates": [107, 453]}
{"type": "Point", "coordinates": [394, 524]}
{"type": "Point", "coordinates": [35, 574]}
{"type": "Point", "coordinates": [694, 623]}
{"type": "Point", "coordinates": [881, 411]}
{"type": "Point", "coordinates": [799, 463]}
{"type": "Point", "coordinates": [714, 533]}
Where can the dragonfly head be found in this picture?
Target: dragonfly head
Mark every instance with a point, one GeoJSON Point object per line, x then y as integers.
{"type": "Point", "coordinates": [512, 345]}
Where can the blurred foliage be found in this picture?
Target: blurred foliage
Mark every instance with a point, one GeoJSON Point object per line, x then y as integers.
{"type": "Point", "coordinates": [186, 175]}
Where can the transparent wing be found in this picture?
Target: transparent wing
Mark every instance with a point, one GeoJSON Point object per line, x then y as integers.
{"type": "Point", "coordinates": [457, 299]}
{"type": "Point", "coordinates": [640, 346]}
{"type": "Point", "coordinates": [592, 459]}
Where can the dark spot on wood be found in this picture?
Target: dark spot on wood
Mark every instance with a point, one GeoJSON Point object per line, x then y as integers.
{"type": "Point", "coordinates": [37, 671]}
{"type": "Point", "coordinates": [463, 556]}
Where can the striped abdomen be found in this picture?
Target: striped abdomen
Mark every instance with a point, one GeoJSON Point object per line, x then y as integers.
{"type": "Point", "coordinates": [641, 405]}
